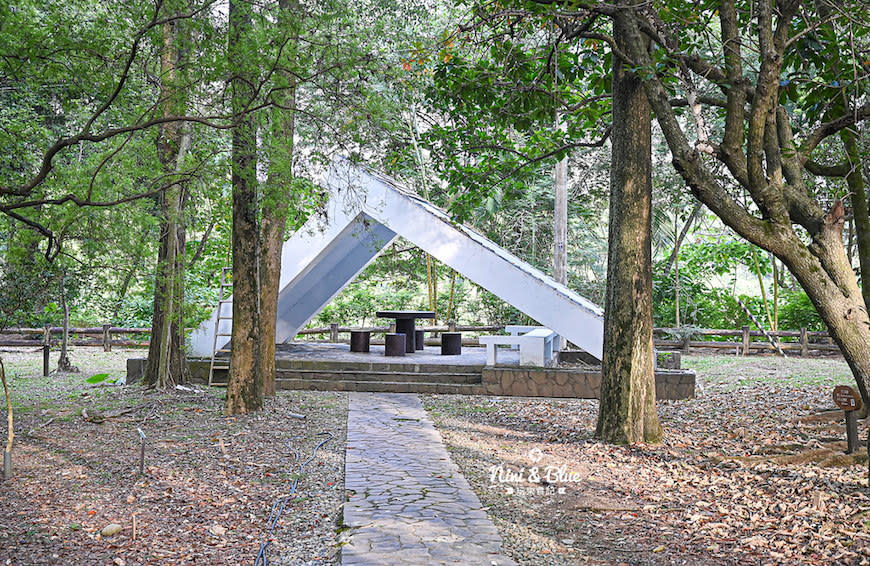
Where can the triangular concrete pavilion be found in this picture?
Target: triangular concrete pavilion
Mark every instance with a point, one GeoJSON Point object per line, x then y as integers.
{"type": "Point", "coordinates": [365, 213]}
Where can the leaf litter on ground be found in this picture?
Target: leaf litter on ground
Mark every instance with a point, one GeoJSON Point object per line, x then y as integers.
{"type": "Point", "coordinates": [752, 470]}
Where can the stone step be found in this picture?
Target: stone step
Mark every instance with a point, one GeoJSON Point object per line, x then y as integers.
{"type": "Point", "coordinates": [388, 376]}
{"type": "Point", "coordinates": [381, 363]}
{"type": "Point", "coordinates": [379, 386]}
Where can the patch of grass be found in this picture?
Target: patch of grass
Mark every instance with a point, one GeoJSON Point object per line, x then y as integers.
{"type": "Point", "coordinates": [740, 371]}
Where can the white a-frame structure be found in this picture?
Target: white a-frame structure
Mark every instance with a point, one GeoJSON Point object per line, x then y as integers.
{"type": "Point", "coordinates": [365, 212]}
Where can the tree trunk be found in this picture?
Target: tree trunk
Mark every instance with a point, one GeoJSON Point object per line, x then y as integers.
{"type": "Point", "coordinates": [63, 363]}
{"type": "Point", "coordinates": [167, 363]}
{"type": "Point", "coordinates": [696, 213]}
{"type": "Point", "coordinates": [10, 429]}
{"type": "Point", "coordinates": [860, 211]}
{"type": "Point", "coordinates": [627, 411]}
{"type": "Point", "coordinates": [277, 197]}
{"type": "Point", "coordinates": [245, 387]}
{"type": "Point", "coordinates": [560, 229]}
{"type": "Point", "coordinates": [676, 256]}
{"type": "Point", "coordinates": [827, 277]}
{"type": "Point", "coordinates": [560, 223]}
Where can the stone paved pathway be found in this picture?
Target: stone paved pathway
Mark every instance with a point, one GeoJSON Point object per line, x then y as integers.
{"type": "Point", "coordinates": [409, 503]}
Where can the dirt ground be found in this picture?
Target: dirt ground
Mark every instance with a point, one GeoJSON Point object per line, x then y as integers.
{"type": "Point", "coordinates": [750, 472]}
{"type": "Point", "coordinates": [209, 484]}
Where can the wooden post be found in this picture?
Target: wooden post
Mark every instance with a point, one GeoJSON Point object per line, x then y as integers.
{"type": "Point", "coordinates": [686, 340]}
{"type": "Point", "coordinates": [746, 339]}
{"type": "Point", "coordinates": [850, 401]}
{"type": "Point", "coordinates": [851, 431]}
{"type": "Point", "coordinates": [141, 453]}
{"type": "Point", "coordinates": [333, 332]}
{"type": "Point", "coordinates": [46, 350]}
{"type": "Point", "coordinates": [107, 338]}
{"type": "Point", "coordinates": [805, 346]}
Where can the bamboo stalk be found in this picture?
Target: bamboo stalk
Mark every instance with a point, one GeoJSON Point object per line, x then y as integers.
{"type": "Point", "coordinates": [450, 299]}
{"type": "Point", "coordinates": [763, 291]}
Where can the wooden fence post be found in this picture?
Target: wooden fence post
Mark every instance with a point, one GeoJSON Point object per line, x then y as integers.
{"type": "Point", "coordinates": [805, 344]}
{"type": "Point", "coordinates": [746, 340]}
{"type": "Point", "coordinates": [333, 332]}
{"type": "Point", "coordinates": [107, 338]}
{"type": "Point", "coordinates": [46, 350]}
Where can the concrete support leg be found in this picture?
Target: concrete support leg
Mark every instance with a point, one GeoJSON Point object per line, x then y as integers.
{"type": "Point", "coordinates": [406, 326]}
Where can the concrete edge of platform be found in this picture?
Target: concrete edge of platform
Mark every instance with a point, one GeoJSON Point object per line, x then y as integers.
{"type": "Point", "coordinates": [671, 385]}
{"type": "Point", "coordinates": [576, 383]}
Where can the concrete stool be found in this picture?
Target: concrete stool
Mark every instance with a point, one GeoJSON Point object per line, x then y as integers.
{"type": "Point", "coordinates": [418, 340]}
{"type": "Point", "coordinates": [394, 344]}
{"type": "Point", "coordinates": [451, 343]}
{"type": "Point", "coordinates": [360, 340]}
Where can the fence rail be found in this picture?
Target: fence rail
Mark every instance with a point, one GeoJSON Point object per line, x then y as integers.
{"type": "Point", "coordinates": [105, 336]}
{"type": "Point", "coordinates": [801, 341]}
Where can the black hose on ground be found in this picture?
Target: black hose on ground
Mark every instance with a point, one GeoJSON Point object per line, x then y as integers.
{"type": "Point", "coordinates": [281, 502]}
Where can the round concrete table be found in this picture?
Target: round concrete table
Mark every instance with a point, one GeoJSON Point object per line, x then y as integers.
{"type": "Point", "coordinates": [405, 324]}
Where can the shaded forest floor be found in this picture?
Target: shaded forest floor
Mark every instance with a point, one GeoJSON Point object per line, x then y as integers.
{"type": "Point", "coordinates": [750, 472]}
{"type": "Point", "coordinates": [209, 482]}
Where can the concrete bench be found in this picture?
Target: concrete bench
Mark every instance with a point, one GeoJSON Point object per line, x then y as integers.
{"type": "Point", "coordinates": [519, 330]}
{"type": "Point", "coordinates": [536, 347]}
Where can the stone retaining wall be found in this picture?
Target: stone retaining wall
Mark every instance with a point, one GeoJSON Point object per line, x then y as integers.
{"type": "Point", "coordinates": [577, 384]}
{"type": "Point", "coordinates": [499, 380]}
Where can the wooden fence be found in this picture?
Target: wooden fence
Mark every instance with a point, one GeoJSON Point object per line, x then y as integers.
{"type": "Point", "coordinates": [801, 341]}
{"type": "Point", "coordinates": [105, 336]}
{"type": "Point", "coordinates": [743, 341]}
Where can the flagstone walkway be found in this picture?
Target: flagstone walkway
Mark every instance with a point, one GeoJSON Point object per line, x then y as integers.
{"type": "Point", "coordinates": [409, 504]}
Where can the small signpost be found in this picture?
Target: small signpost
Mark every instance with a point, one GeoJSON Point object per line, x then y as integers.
{"type": "Point", "coordinates": [850, 401]}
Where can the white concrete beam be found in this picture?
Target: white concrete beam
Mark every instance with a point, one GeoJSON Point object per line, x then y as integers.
{"type": "Point", "coordinates": [364, 215]}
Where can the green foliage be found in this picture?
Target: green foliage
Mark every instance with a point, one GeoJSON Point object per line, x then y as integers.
{"type": "Point", "coordinates": [704, 304]}
{"type": "Point", "coordinates": [499, 90]}
{"type": "Point", "coordinates": [97, 378]}
{"type": "Point", "coordinates": [796, 311]}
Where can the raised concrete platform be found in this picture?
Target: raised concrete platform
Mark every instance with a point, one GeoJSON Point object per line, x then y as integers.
{"type": "Point", "coordinates": [333, 367]}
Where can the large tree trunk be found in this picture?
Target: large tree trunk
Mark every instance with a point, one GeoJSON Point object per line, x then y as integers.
{"type": "Point", "coordinates": [826, 276]}
{"type": "Point", "coordinates": [245, 388]}
{"type": "Point", "coordinates": [764, 158]}
{"type": "Point", "coordinates": [627, 410]}
{"type": "Point", "coordinates": [167, 363]}
{"type": "Point", "coordinates": [276, 205]}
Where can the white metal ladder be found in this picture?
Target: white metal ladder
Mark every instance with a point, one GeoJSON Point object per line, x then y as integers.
{"type": "Point", "coordinates": [221, 363]}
